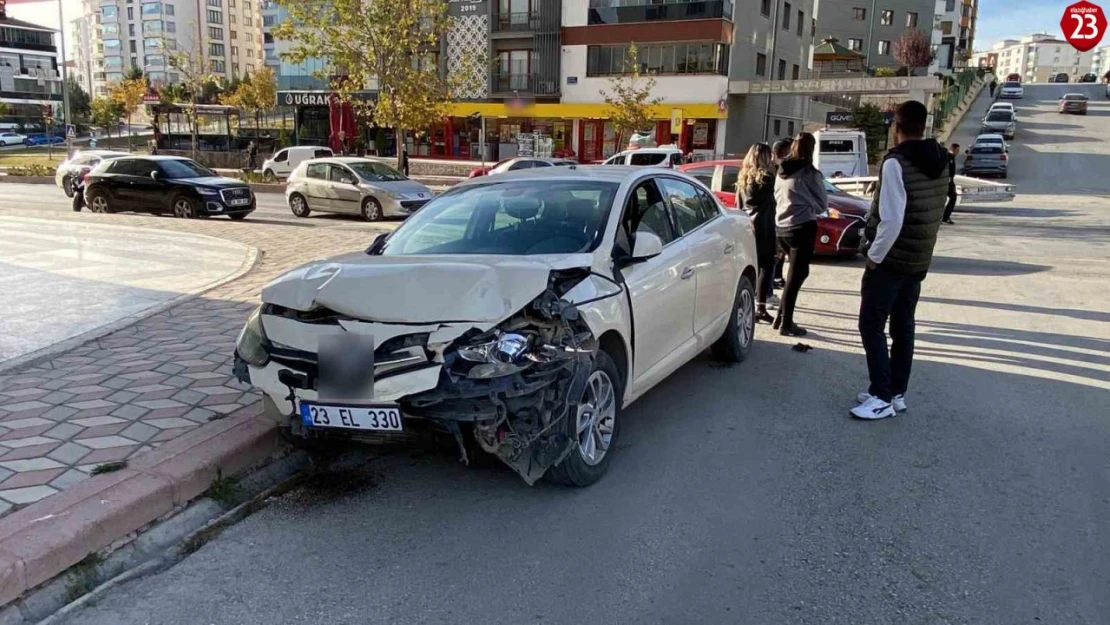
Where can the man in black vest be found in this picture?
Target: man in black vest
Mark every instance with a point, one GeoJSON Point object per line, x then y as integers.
{"type": "Point", "coordinates": [953, 152]}
{"type": "Point", "coordinates": [900, 234]}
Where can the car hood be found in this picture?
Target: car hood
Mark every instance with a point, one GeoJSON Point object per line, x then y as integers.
{"type": "Point", "coordinates": [404, 187]}
{"type": "Point", "coordinates": [218, 182]}
{"type": "Point", "coordinates": [849, 204]}
{"type": "Point", "coordinates": [419, 289]}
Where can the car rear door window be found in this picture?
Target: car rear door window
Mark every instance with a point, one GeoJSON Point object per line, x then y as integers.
{"type": "Point", "coordinates": [120, 167]}
{"type": "Point", "coordinates": [540, 164]}
{"type": "Point", "coordinates": [520, 165]}
{"type": "Point", "coordinates": [730, 174]}
{"type": "Point", "coordinates": [689, 205]}
{"type": "Point", "coordinates": [322, 153]}
{"type": "Point", "coordinates": [703, 174]}
{"type": "Point", "coordinates": [318, 171]}
{"type": "Point", "coordinates": [143, 167]}
{"type": "Point", "coordinates": [642, 159]}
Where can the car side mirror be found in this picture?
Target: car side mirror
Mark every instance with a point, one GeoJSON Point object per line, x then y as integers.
{"type": "Point", "coordinates": [155, 175]}
{"type": "Point", "coordinates": [647, 245]}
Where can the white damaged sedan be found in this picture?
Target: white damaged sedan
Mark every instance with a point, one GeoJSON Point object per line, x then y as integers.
{"type": "Point", "coordinates": [519, 313]}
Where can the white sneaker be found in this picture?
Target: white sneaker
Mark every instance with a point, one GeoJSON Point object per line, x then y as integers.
{"type": "Point", "coordinates": [898, 401]}
{"type": "Point", "coordinates": [872, 409]}
{"type": "Point", "coordinates": [773, 301]}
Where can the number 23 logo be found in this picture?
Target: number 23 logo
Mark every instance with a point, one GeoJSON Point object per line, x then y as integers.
{"type": "Point", "coordinates": [1086, 26]}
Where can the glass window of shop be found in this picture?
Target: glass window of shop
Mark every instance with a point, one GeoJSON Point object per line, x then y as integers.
{"type": "Point", "coordinates": [506, 133]}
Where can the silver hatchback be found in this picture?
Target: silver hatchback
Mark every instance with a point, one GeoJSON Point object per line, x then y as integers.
{"type": "Point", "coordinates": [356, 186]}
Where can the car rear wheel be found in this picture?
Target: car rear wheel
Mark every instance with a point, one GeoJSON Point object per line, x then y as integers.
{"type": "Point", "coordinates": [371, 209]}
{"type": "Point", "coordinates": [268, 176]}
{"type": "Point", "coordinates": [299, 205]}
{"type": "Point", "coordinates": [99, 202]}
{"type": "Point", "coordinates": [185, 208]}
{"type": "Point", "coordinates": [67, 186]}
{"type": "Point", "coordinates": [736, 343]}
{"type": "Point", "coordinates": [593, 427]}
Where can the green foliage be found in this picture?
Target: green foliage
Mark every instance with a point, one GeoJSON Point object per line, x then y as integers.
{"type": "Point", "coordinates": [869, 118]}
{"type": "Point", "coordinates": [885, 72]}
{"type": "Point", "coordinates": [628, 99]}
{"type": "Point", "coordinates": [79, 100]}
{"type": "Point", "coordinates": [36, 170]}
{"type": "Point", "coordinates": [105, 113]}
{"type": "Point", "coordinates": [224, 490]}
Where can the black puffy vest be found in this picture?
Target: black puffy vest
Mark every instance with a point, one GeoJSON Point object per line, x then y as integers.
{"type": "Point", "coordinates": [925, 201]}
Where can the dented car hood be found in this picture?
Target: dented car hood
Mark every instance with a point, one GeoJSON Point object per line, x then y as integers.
{"type": "Point", "coordinates": [420, 289]}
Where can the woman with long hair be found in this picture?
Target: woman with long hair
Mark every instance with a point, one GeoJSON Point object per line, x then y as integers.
{"type": "Point", "coordinates": [756, 187]}
{"type": "Point", "coordinates": [799, 198]}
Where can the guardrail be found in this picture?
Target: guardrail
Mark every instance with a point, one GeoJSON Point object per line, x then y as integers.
{"type": "Point", "coordinates": [969, 190]}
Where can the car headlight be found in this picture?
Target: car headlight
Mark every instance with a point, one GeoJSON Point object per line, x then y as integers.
{"type": "Point", "coordinates": [395, 195]}
{"type": "Point", "coordinates": [251, 344]}
{"type": "Point", "coordinates": [504, 355]}
{"type": "Point", "coordinates": [207, 191]}
{"type": "Point", "coordinates": [832, 213]}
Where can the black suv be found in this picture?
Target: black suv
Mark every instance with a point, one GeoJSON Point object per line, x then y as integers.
{"type": "Point", "coordinates": [166, 184]}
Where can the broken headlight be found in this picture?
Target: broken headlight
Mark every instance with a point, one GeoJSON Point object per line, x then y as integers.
{"type": "Point", "coordinates": [251, 344]}
{"type": "Point", "coordinates": [506, 354]}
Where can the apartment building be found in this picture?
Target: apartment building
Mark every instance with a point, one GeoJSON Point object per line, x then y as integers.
{"type": "Point", "coordinates": [953, 34]}
{"type": "Point", "coordinates": [80, 51]}
{"type": "Point", "coordinates": [1100, 62]}
{"type": "Point", "coordinates": [226, 35]}
{"type": "Point", "coordinates": [871, 27]}
{"type": "Point", "coordinates": [1038, 57]}
{"type": "Point", "coordinates": [30, 83]}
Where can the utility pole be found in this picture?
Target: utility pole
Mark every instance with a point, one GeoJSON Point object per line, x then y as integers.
{"type": "Point", "coordinates": [771, 68]}
{"type": "Point", "coordinates": [65, 81]}
{"type": "Point", "coordinates": [870, 35]}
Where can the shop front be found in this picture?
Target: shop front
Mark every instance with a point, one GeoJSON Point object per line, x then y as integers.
{"type": "Point", "coordinates": [319, 118]}
{"type": "Point", "coordinates": [598, 138]}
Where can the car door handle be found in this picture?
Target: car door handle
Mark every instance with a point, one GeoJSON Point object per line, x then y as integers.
{"type": "Point", "coordinates": [687, 273]}
{"type": "Point", "coordinates": [729, 248]}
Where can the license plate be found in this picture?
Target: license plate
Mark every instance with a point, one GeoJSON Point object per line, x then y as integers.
{"type": "Point", "coordinates": [377, 418]}
{"type": "Point", "coordinates": [240, 202]}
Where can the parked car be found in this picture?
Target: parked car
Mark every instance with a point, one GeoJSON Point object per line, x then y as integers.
{"type": "Point", "coordinates": [1013, 78]}
{"type": "Point", "coordinates": [79, 164]}
{"type": "Point", "coordinates": [11, 138]}
{"type": "Point", "coordinates": [986, 159]}
{"type": "Point", "coordinates": [285, 160]}
{"type": "Point", "coordinates": [43, 139]}
{"type": "Point", "coordinates": [356, 186]}
{"type": "Point", "coordinates": [647, 157]}
{"type": "Point", "coordinates": [1089, 78]}
{"type": "Point", "coordinates": [1004, 106]}
{"type": "Point", "coordinates": [1075, 103]}
{"type": "Point", "coordinates": [518, 163]}
{"type": "Point", "coordinates": [992, 139]}
{"type": "Point", "coordinates": [524, 295]}
{"type": "Point", "coordinates": [1061, 77]}
{"type": "Point", "coordinates": [1001, 122]}
{"type": "Point", "coordinates": [1011, 90]}
{"type": "Point", "coordinates": [839, 231]}
{"type": "Point", "coordinates": [165, 184]}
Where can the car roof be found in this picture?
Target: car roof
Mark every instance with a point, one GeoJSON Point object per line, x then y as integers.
{"type": "Point", "coordinates": [101, 153]}
{"type": "Point", "coordinates": [989, 136]}
{"type": "Point", "coordinates": [344, 160]}
{"type": "Point", "coordinates": [1075, 95]}
{"type": "Point", "coordinates": [670, 150]}
{"type": "Point", "coordinates": [156, 157]}
{"type": "Point", "coordinates": [595, 173]}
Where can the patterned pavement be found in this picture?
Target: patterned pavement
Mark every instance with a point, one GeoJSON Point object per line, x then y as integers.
{"type": "Point", "coordinates": [128, 392]}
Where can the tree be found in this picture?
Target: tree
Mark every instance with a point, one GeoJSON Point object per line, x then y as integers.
{"type": "Point", "coordinates": [190, 63]}
{"type": "Point", "coordinates": [78, 99]}
{"type": "Point", "coordinates": [870, 119]}
{"type": "Point", "coordinates": [105, 113]}
{"type": "Point", "coordinates": [390, 42]}
{"type": "Point", "coordinates": [128, 94]}
{"type": "Point", "coordinates": [913, 50]}
{"type": "Point", "coordinates": [256, 93]}
{"type": "Point", "coordinates": [629, 98]}
{"type": "Point", "coordinates": [135, 74]}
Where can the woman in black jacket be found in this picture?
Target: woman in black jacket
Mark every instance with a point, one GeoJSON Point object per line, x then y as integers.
{"type": "Point", "coordinates": [757, 190]}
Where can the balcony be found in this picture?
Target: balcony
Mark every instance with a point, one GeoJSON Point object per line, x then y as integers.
{"type": "Point", "coordinates": [516, 22]}
{"type": "Point", "coordinates": [506, 83]}
{"type": "Point", "coordinates": [618, 12]}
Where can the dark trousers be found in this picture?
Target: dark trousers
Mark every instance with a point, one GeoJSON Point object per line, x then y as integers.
{"type": "Point", "coordinates": [887, 294]}
{"type": "Point", "coordinates": [780, 260]}
{"type": "Point", "coordinates": [951, 206]}
{"type": "Point", "coordinates": [765, 247]}
{"type": "Point", "coordinates": [798, 246]}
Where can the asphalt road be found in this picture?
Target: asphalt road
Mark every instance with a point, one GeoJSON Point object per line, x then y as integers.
{"type": "Point", "coordinates": [746, 494]}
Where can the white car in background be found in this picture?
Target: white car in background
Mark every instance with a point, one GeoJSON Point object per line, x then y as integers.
{"type": "Point", "coordinates": [1011, 89]}
{"type": "Point", "coordinates": [79, 164]}
{"type": "Point", "coordinates": [518, 313]}
{"type": "Point", "coordinates": [11, 138]}
{"type": "Point", "coordinates": [1004, 106]}
{"type": "Point", "coordinates": [647, 157]}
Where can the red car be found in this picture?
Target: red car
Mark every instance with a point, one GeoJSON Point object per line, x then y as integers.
{"type": "Point", "coordinates": [838, 234]}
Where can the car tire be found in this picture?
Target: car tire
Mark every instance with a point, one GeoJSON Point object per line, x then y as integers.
{"type": "Point", "coordinates": [299, 205]}
{"type": "Point", "coordinates": [268, 176]}
{"type": "Point", "coordinates": [99, 202]}
{"type": "Point", "coordinates": [67, 186]}
{"type": "Point", "coordinates": [371, 209]}
{"type": "Point", "coordinates": [581, 467]}
{"type": "Point", "coordinates": [185, 207]}
{"type": "Point", "coordinates": [736, 343]}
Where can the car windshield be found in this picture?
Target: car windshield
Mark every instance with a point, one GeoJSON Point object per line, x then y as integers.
{"type": "Point", "coordinates": [999, 116]}
{"type": "Point", "coordinates": [376, 172]}
{"type": "Point", "coordinates": [516, 218]}
{"type": "Point", "coordinates": [830, 187]}
{"type": "Point", "coordinates": [1074, 97]}
{"type": "Point", "coordinates": [185, 169]}
{"type": "Point", "coordinates": [1012, 85]}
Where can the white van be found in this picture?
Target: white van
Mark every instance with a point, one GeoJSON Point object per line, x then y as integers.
{"type": "Point", "coordinates": [841, 153]}
{"type": "Point", "coordinates": [648, 157]}
{"type": "Point", "coordinates": [281, 164]}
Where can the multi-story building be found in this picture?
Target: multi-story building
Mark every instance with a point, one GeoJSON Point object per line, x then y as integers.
{"type": "Point", "coordinates": [1100, 62]}
{"type": "Point", "coordinates": [30, 83]}
{"type": "Point", "coordinates": [226, 35]}
{"type": "Point", "coordinates": [1038, 57]}
{"type": "Point", "coordinates": [80, 51]}
{"type": "Point", "coordinates": [872, 26]}
{"type": "Point", "coordinates": [953, 34]}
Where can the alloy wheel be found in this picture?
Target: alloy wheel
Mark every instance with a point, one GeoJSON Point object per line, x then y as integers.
{"type": "Point", "coordinates": [745, 318]}
{"type": "Point", "coordinates": [183, 209]}
{"type": "Point", "coordinates": [99, 204]}
{"type": "Point", "coordinates": [597, 417]}
{"type": "Point", "coordinates": [298, 206]}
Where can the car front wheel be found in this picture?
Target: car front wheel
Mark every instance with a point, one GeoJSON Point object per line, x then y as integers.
{"type": "Point", "coordinates": [184, 208]}
{"type": "Point", "coordinates": [299, 205]}
{"type": "Point", "coordinates": [593, 426]}
{"type": "Point", "coordinates": [736, 343]}
{"type": "Point", "coordinates": [371, 209]}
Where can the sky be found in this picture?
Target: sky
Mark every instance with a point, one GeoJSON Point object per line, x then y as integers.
{"type": "Point", "coordinates": [998, 19]}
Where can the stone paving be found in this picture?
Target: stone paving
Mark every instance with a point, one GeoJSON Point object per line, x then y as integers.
{"type": "Point", "coordinates": [126, 393]}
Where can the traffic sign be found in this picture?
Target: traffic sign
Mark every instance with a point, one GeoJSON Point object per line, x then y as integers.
{"type": "Point", "coordinates": [1084, 24]}
{"type": "Point", "coordinates": [71, 131]}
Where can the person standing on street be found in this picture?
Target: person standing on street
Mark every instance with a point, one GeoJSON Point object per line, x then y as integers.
{"type": "Point", "coordinates": [900, 235]}
{"type": "Point", "coordinates": [993, 86]}
{"type": "Point", "coordinates": [757, 190]}
{"type": "Point", "coordinates": [252, 156]}
{"type": "Point", "coordinates": [781, 150]}
{"type": "Point", "coordinates": [799, 198]}
{"type": "Point", "coordinates": [953, 152]}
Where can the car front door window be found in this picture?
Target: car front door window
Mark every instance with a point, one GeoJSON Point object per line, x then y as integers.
{"type": "Point", "coordinates": [690, 210]}
{"type": "Point", "coordinates": [342, 190]}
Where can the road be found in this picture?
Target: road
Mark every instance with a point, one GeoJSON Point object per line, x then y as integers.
{"type": "Point", "coordinates": [746, 494]}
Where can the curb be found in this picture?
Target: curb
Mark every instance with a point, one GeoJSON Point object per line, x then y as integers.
{"type": "Point", "coordinates": [31, 358]}
{"type": "Point", "coordinates": [45, 539]}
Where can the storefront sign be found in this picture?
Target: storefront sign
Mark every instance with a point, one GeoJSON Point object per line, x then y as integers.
{"type": "Point", "coordinates": [701, 133]}
{"type": "Point", "coordinates": [317, 98]}
{"type": "Point", "coordinates": [572, 80]}
{"type": "Point", "coordinates": [838, 118]}
{"type": "Point", "coordinates": [893, 84]}
{"type": "Point", "coordinates": [676, 120]}
{"type": "Point", "coordinates": [460, 8]}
